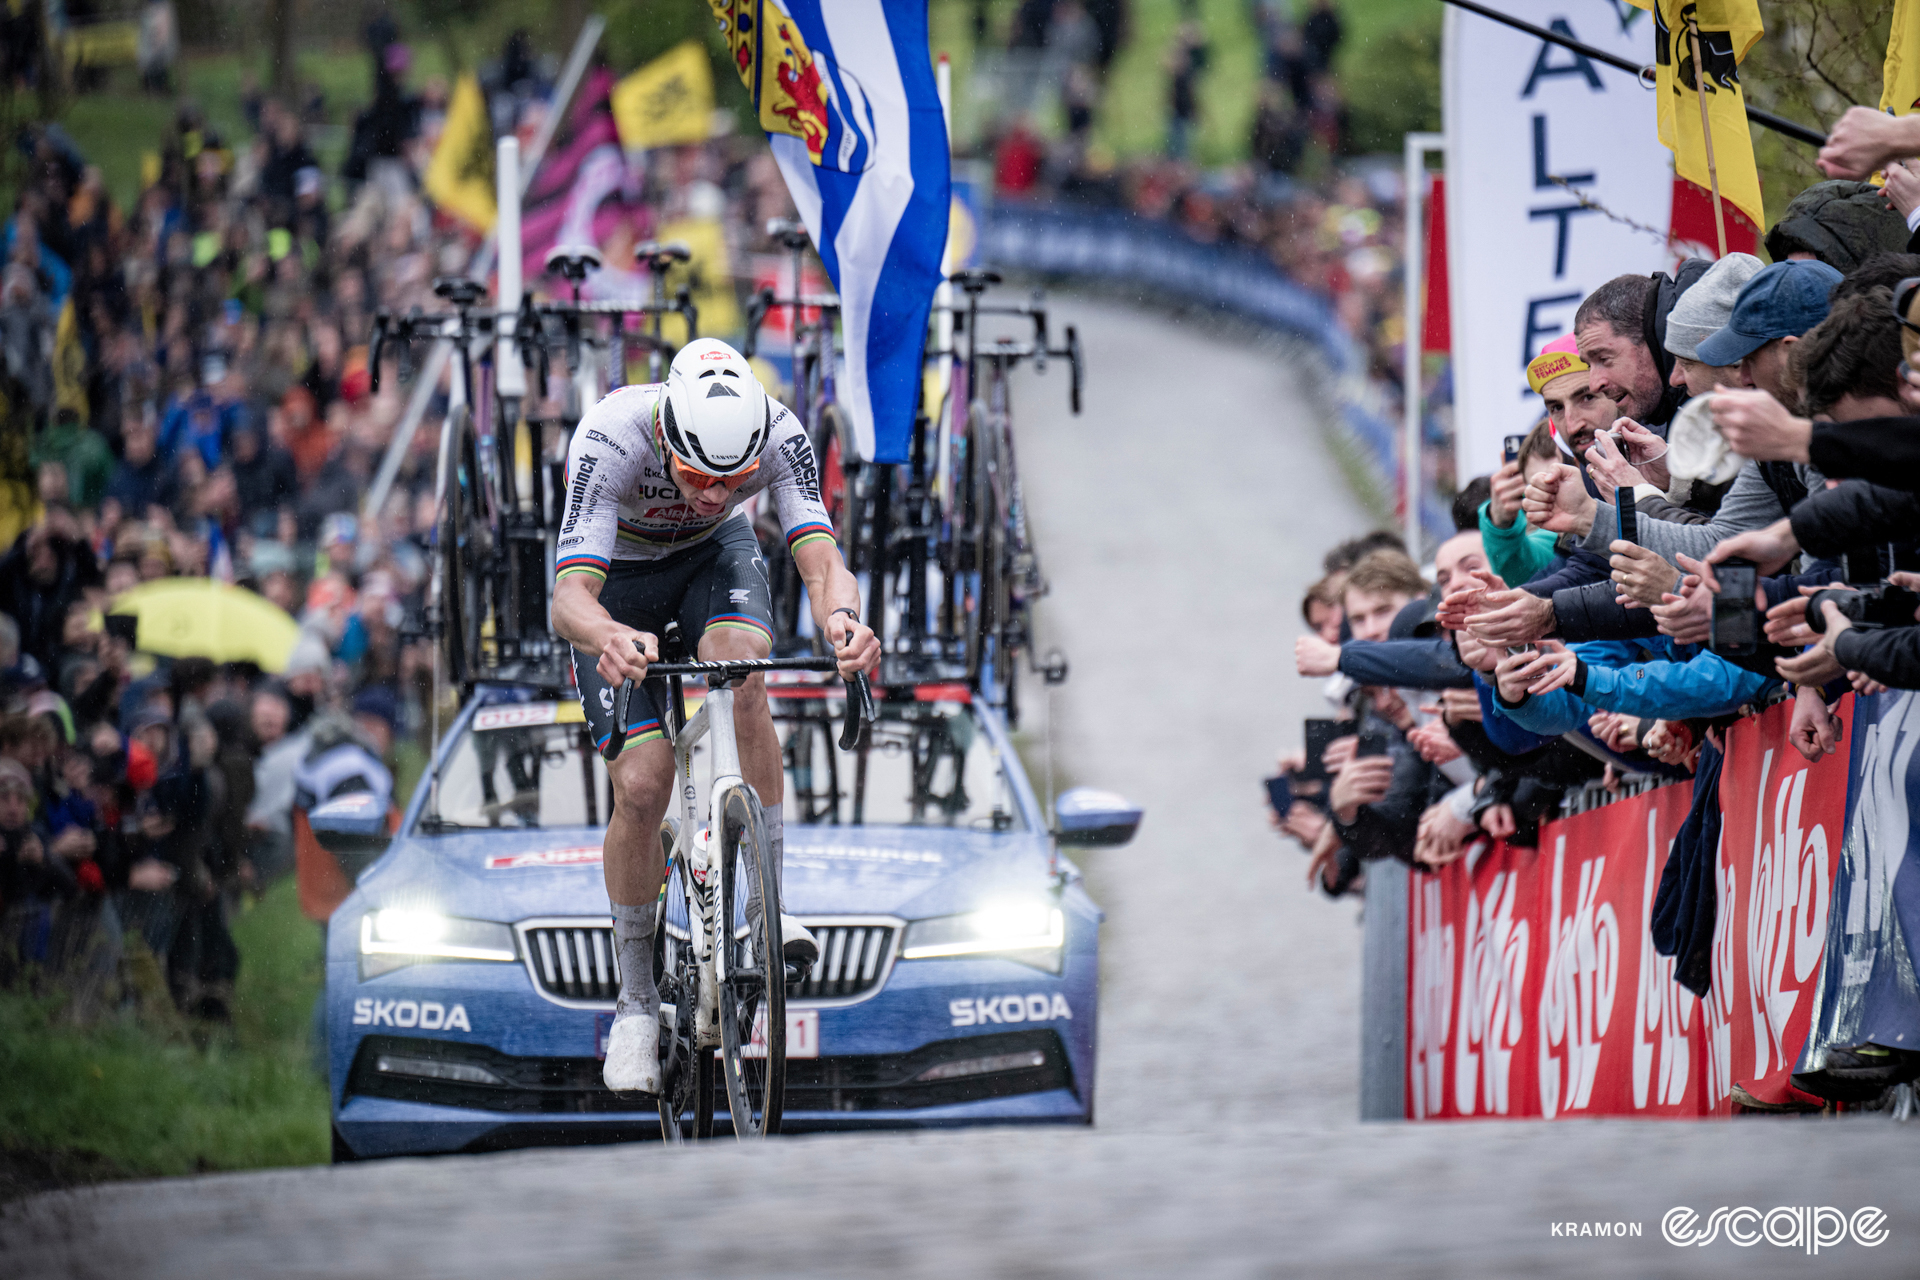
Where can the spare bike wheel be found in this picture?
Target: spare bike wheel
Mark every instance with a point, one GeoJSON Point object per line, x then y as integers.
{"type": "Point", "coordinates": [755, 990]}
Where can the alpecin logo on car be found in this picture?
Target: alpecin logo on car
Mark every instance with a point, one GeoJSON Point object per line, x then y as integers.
{"type": "Point", "coordinates": [1809, 1227]}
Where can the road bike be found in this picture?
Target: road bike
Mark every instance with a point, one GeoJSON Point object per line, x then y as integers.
{"type": "Point", "coordinates": [725, 987]}
{"type": "Point", "coordinates": [499, 481]}
{"type": "Point", "coordinates": [992, 566]}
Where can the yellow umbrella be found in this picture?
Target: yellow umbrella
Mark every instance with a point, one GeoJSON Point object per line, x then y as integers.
{"type": "Point", "coordinates": [206, 618]}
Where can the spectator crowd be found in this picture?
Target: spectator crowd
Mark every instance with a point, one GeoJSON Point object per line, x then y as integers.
{"type": "Point", "coordinates": [1715, 512]}
{"type": "Point", "coordinates": [1324, 217]}
{"type": "Point", "coordinates": [184, 392]}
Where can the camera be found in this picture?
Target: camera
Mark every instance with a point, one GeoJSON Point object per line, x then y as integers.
{"type": "Point", "coordinates": [1872, 607]}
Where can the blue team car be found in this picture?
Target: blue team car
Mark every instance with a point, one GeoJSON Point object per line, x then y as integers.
{"type": "Point", "coordinates": [471, 975]}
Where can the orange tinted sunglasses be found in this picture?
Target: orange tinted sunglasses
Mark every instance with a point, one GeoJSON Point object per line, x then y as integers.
{"type": "Point", "coordinates": [702, 481]}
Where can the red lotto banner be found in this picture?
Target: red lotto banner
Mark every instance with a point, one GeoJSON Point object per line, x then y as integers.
{"type": "Point", "coordinates": [1533, 986]}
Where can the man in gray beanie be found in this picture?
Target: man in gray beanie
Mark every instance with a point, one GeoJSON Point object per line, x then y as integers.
{"type": "Point", "coordinates": [1702, 311]}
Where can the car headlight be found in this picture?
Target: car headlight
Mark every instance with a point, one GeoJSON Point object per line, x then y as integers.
{"type": "Point", "coordinates": [395, 937]}
{"type": "Point", "coordinates": [1030, 932]}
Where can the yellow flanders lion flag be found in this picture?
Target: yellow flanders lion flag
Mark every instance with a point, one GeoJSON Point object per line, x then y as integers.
{"type": "Point", "coordinates": [1900, 84]}
{"type": "Point", "coordinates": [789, 93]}
{"type": "Point", "coordinates": [460, 176]}
{"type": "Point", "coordinates": [668, 102]}
{"type": "Point", "coordinates": [1728, 28]}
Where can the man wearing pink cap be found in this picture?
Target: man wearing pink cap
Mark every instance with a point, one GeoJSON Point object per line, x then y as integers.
{"type": "Point", "coordinates": [1564, 381]}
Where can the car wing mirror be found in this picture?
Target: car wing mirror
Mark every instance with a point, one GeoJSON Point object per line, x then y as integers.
{"type": "Point", "coordinates": [353, 828]}
{"type": "Point", "coordinates": [1089, 816]}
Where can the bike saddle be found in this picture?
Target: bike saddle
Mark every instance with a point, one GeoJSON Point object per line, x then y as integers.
{"type": "Point", "coordinates": [975, 282]}
{"type": "Point", "coordinates": [787, 233]}
{"type": "Point", "coordinates": [573, 261]}
{"type": "Point", "coordinates": [660, 256]}
{"type": "Point", "coordinates": [459, 290]}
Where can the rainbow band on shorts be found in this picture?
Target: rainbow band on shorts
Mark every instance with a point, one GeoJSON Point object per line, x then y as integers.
{"type": "Point", "coordinates": [645, 731]}
{"type": "Point", "coordinates": [742, 622]}
{"type": "Point", "coordinates": [812, 531]}
{"type": "Point", "coordinates": [593, 566]}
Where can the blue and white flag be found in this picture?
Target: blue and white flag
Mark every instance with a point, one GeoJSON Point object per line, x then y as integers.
{"type": "Point", "coordinates": [845, 91]}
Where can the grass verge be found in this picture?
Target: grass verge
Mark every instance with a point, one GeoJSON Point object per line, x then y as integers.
{"type": "Point", "coordinates": [135, 1097]}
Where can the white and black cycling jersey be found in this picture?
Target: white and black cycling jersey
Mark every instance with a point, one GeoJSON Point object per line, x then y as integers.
{"type": "Point", "coordinates": [622, 506]}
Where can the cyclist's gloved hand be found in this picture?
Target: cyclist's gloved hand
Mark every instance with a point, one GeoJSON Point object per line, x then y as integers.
{"type": "Point", "coordinates": [854, 644]}
{"type": "Point", "coordinates": [625, 653]}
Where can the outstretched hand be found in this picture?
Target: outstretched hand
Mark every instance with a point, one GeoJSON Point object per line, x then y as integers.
{"type": "Point", "coordinates": [1770, 549]}
{"type": "Point", "coordinates": [1558, 502]}
{"type": "Point", "coordinates": [1462, 601]}
{"type": "Point", "coordinates": [1756, 425]}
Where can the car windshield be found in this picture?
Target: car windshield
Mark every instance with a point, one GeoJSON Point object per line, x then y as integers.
{"type": "Point", "coordinates": [927, 763]}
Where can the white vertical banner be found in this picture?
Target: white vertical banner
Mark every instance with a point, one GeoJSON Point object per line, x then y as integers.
{"type": "Point", "coordinates": [1522, 248]}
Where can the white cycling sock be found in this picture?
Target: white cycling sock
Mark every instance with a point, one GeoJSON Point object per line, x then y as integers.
{"type": "Point", "coordinates": [633, 944]}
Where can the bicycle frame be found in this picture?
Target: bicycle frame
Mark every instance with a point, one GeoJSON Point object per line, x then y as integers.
{"type": "Point", "coordinates": [699, 879]}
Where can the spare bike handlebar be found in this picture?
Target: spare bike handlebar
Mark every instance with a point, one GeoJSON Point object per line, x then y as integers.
{"type": "Point", "coordinates": [853, 735]}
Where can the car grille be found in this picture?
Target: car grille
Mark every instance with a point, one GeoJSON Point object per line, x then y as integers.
{"type": "Point", "coordinates": [573, 961]}
{"type": "Point", "coordinates": [855, 957]}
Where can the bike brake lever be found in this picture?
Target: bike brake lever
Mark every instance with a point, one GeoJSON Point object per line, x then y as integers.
{"type": "Point", "coordinates": [617, 740]}
{"type": "Point", "coordinates": [853, 735]}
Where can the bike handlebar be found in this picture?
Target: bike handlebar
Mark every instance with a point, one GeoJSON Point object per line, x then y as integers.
{"type": "Point", "coordinates": [853, 735]}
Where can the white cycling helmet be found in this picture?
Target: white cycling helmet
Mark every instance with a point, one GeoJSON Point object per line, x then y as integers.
{"type": "Point", "coordinates": [715, 416]}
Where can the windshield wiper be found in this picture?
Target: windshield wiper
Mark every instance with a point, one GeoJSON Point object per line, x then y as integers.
{"type": "Point", "coordinates": [434, 824]}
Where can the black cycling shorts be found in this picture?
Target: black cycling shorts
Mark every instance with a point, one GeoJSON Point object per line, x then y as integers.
{"type": "Point", "coordinates": [721, 582]}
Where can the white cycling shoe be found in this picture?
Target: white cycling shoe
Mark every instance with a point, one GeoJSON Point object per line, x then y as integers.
{"type": "Point", "coordinates": [797, 943]}
{"type": "Point", "coordinates": [633, 1055]}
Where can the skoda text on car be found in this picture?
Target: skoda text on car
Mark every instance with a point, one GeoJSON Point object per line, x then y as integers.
{"type": "Point", "coordinates": [471, 975]}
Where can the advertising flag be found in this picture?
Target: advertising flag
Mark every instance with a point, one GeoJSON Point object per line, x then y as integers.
{"type": "Point", "coordinates": [668, 102]}
{"type": "Point", "coordinates": [1868, 991]}
{"type": "Point", "coordinates": [1727, 29]}
{"type": "Point", "coordinates": [588, 191]}
{"type": "Point", "coordinates": [459, 178]}
{"type": "Point", "coordinates": [845, 91]}
{"type": "Point", "coordinates": [1555, 184]}
{"type": "Point", "coordinates": [1900, 81]}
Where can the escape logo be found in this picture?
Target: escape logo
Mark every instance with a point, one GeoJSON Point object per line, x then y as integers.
{"type": "Point", "coordinates": [1812, 1228]}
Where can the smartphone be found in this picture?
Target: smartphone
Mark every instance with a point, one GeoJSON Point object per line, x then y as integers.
{"type": "Point", "coordinates": [1280, 795]}
{"type": "Point", "coordinates": [1629, 517]}
{"type": "Point", "coordinates": [1734, 626]}
{"type": "Point", "coordinates": [1320, 734]}
{"type": "Point", "coordinates": [123, 626]}
{"type": "Point", "coordinates": [1510, 448]}
{"type": "Point", "coordinates": [1374, 741]}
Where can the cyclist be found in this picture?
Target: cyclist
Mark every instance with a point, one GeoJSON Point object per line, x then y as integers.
{"type": "Point", "coordinates": [654, 532]}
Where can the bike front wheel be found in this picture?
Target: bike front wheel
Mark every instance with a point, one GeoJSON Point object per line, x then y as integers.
{"type": "Point", "coordinates": [753, 997]}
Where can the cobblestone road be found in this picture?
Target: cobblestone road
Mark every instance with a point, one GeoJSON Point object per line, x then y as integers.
{"type": "Point", "coordinates": [1178, 520]}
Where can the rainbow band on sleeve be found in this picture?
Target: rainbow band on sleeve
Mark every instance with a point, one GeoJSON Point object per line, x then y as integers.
{"type": "Point", "coordinates": [595, 566]}
{"type": "Point", "coordinates": [742, 622]}
{"type": "Point", "coordinates": [812, 531]}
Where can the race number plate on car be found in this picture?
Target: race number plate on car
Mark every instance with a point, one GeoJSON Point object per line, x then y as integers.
{"type": "Point", "coordinates": [803, 1034]}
